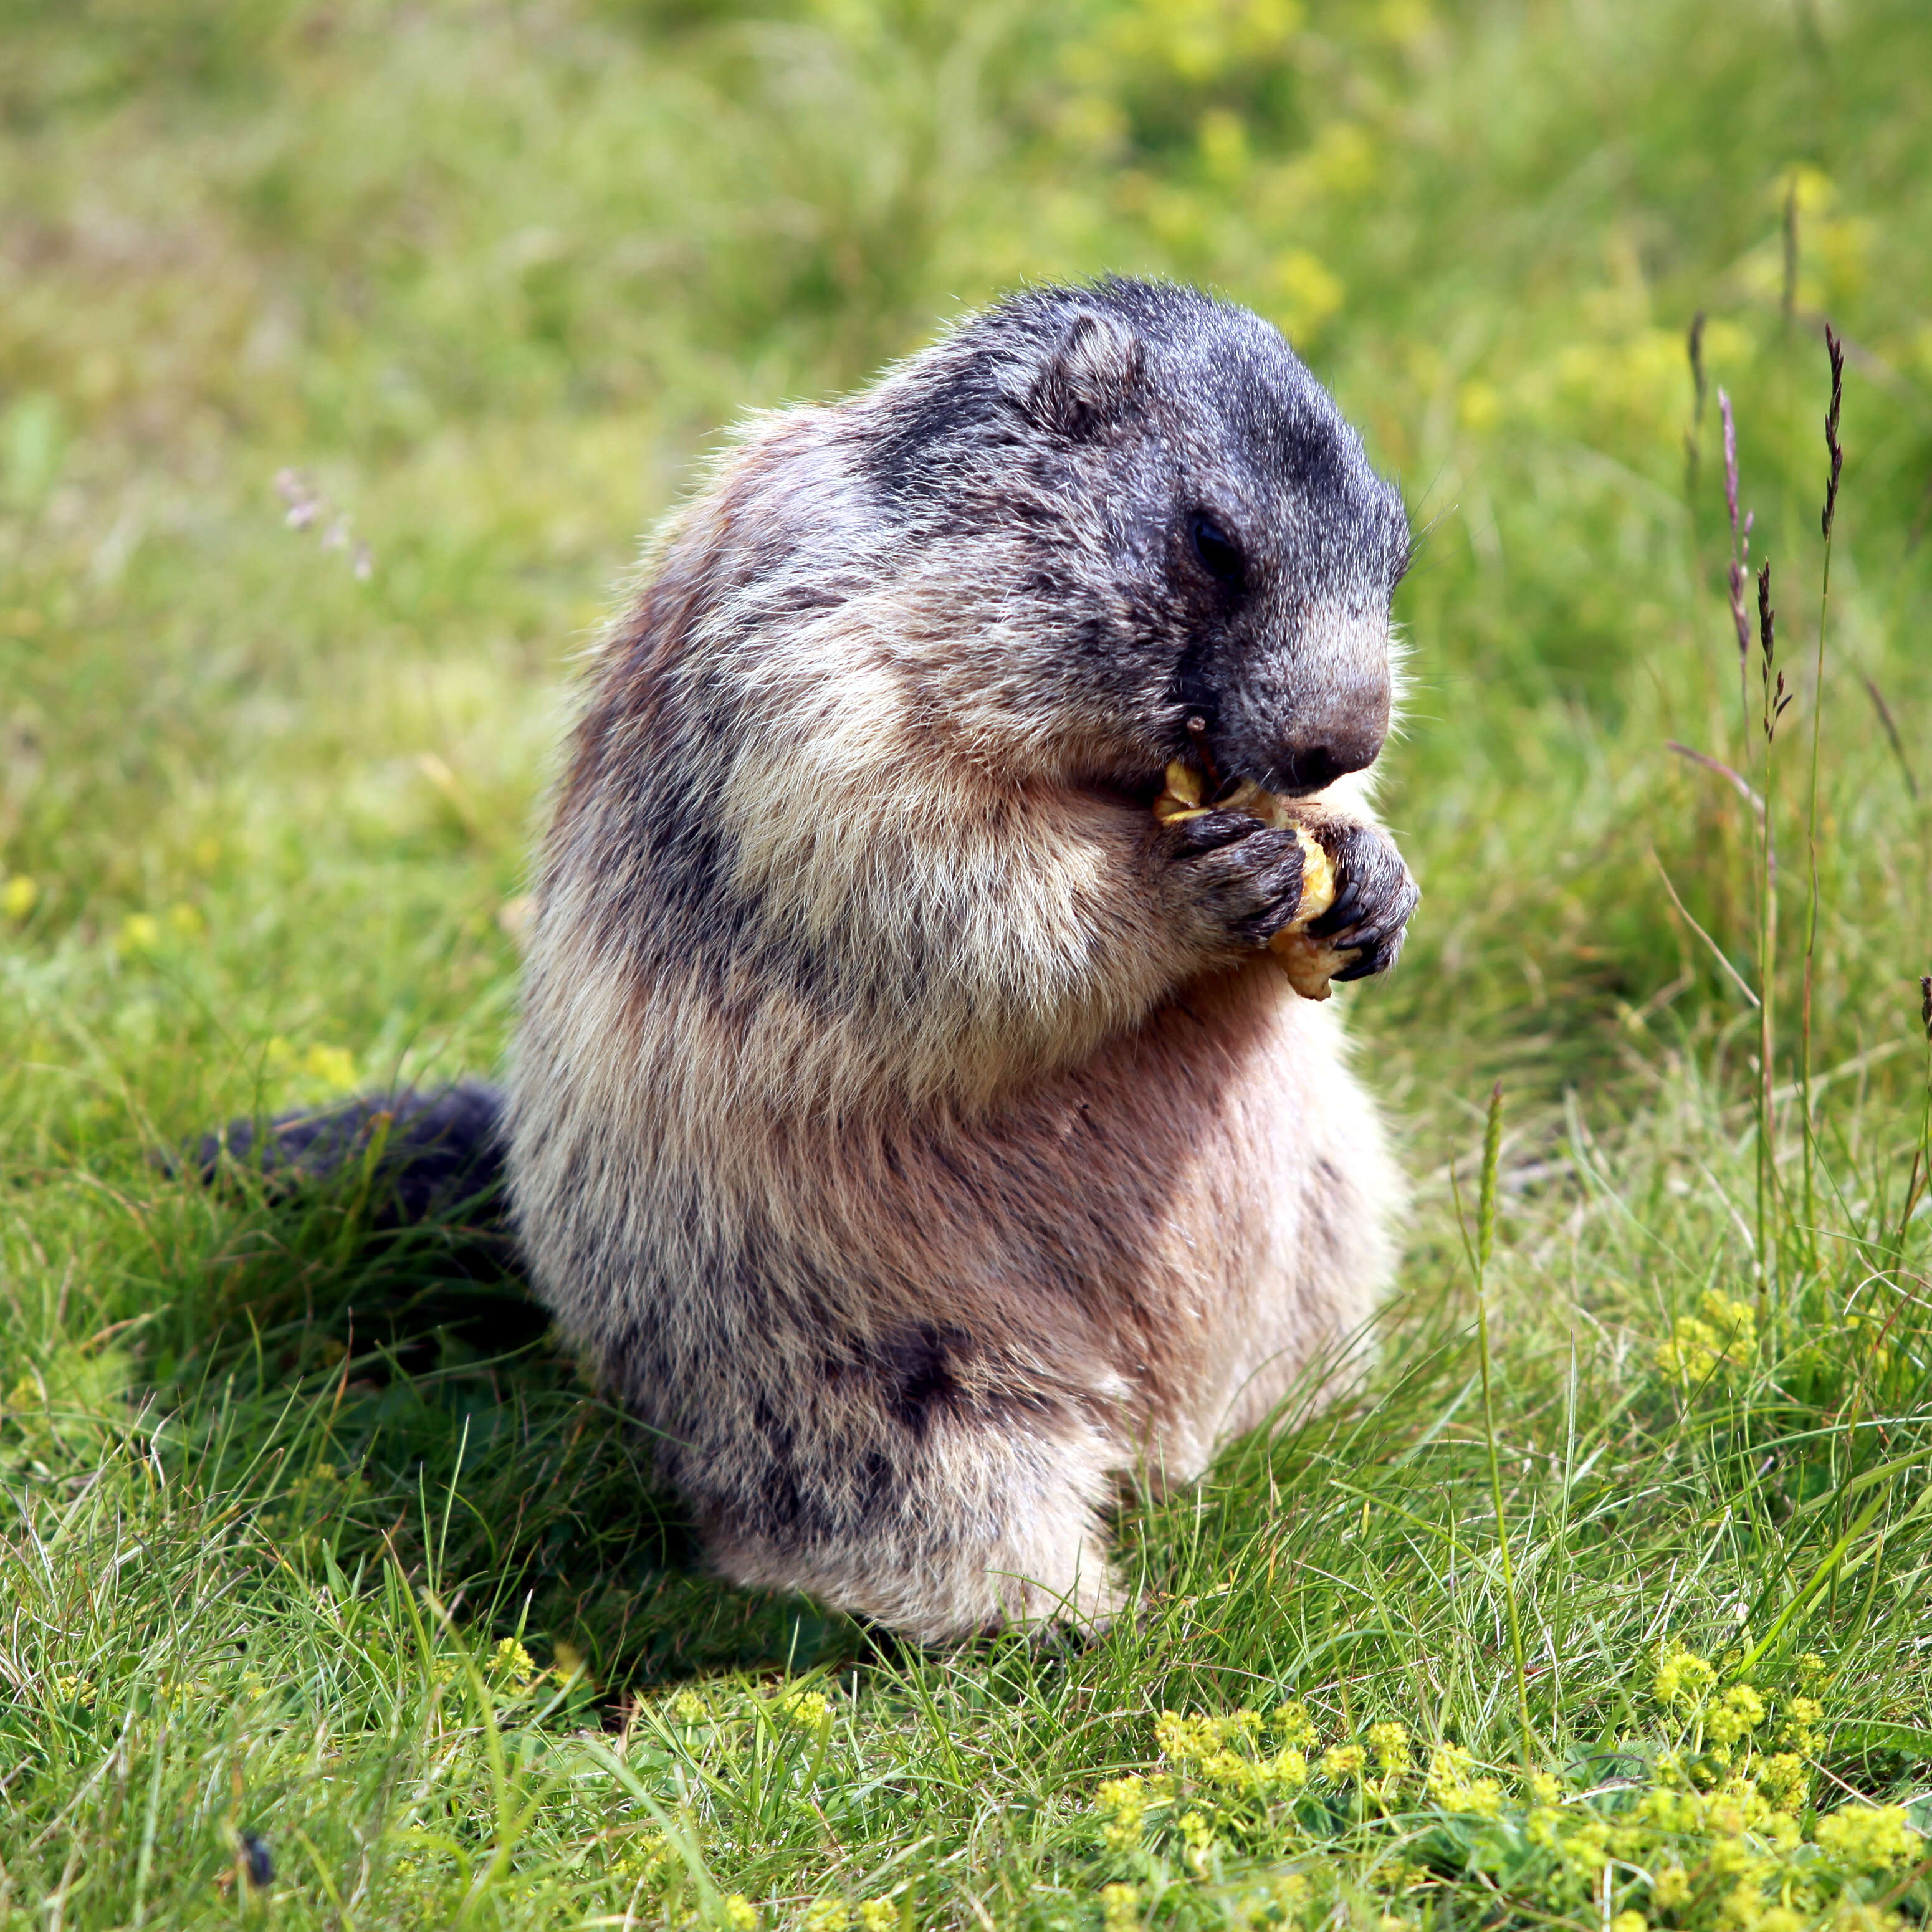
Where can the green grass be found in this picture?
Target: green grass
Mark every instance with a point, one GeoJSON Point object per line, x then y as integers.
{"type": "Point", "coordinates": [284, 1493]}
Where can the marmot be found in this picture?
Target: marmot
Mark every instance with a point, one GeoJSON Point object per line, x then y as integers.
{"type": "Point", "coordinates": [915, 1130]}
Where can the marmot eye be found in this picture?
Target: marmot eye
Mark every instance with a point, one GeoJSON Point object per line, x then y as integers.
{"type": "Point", "coordinates": [1220, 555]}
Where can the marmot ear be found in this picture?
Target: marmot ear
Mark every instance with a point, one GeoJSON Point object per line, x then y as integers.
{"type": "Point", "coordinates": [1090, 378]}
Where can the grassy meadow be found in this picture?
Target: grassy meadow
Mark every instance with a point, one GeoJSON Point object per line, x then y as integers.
{"type": "Point", "coordinates": [346, 350]}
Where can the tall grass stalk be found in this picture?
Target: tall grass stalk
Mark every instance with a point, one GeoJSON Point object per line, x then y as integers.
{"type": "Point", "coordinates": [1921, 1152]}
{"type": "Point", "coordinates": [1737, 577]}
{"type": "Point", "coordinates": [1835, 451]}
{"type": "Point", "coordinates": [1486, 1236]}
{"type": "Point", "coordinates": [1773, 702]}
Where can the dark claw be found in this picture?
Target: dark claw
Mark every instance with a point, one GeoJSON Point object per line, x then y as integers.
{"type": "Point", "coordinates": [1337, 916]}
{"type": "Point", "coordinates": [1378, 955]}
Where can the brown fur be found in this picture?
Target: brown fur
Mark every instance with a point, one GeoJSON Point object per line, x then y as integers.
{"type": "Point", "coordinates": [913, 1132]}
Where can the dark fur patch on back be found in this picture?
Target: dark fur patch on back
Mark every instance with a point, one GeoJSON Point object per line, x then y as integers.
{"type": "Point", "coordinates": [916, 1367]}
{"type": "Point", "coordinates": [909, 460]}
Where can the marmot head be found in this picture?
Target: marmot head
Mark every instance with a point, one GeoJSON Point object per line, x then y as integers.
{"type": "Point", "coordinates": [1154, 514]}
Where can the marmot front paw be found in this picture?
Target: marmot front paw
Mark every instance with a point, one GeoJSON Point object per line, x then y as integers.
{"type": "Point", "coordinates": [1246, 879]}
{"type": "Point", "coordinates": [1344, 917]}
{"type": "Point", "coordinates": [1374, 897]}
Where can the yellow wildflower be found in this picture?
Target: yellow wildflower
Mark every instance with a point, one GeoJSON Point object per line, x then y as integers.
{"type": "Point", "coordinates": [1726, 1334]}
{"type": "Point", "coordinates": [1851, 1916]}
{"type": "Point", "coordinates": [878, 1914]}
{"type": "Point", "coordinates": [1736, 1319]}
{"type": "Point", "coordinates": [687, 1707]}
{"type": "Point", "coordinates": [1309, 294]}
{"type": "Point", "coordinates": [1228, 1767]}
{"type": "Point", "coordinates": [740, 1914]}
{"type": "Point", "coordinates": [1188, 1740]}
{"type": "Point", "coordinates": [805, 1710]}
{"type": "Point", "coordinates": [511, 1659]}
{"type": "Point", "coordinates": [1390, 1743]}
{"type": "Point", "coordinates": [1869, 1837]}
{"type": "Point", "coordinates": [1119, 1908]}
{"type": "Point", "coordinates": [1799, 1732]}
{"type": "Point", "coordinates": [1294, 1726]}
{"type": "Point", "coordinates": [827, 1915]}
{"type": "Point", "coordinates": [1682, 1676]}
{"type": "Point", "coordinates": [640, 1862]}
{"type": "Point", "coordinates": [1125, 1801]}
{"type": "Point", "coordinates": [1342, 1761]}
{"type": "Point", "coordinates": [333, 1067]}
{"type": "Point", "coordinates": [1478, 404]}
{"type": "Point", "coordinates": [1630, 1921]}
{"type": "Point", "coordinates": [1198, 1835]}
{"type": "Point", "coordinates": [1733, 1858]}
{"type": "Point", "coordinates": [1743, 1906]}
{"type": "Point", "coordinates": [1584, 1847]}
{"type": "Point", "coordinates": [1741, 1709]}
{"type": "Point", "coordinates": [1670, 1889]}
{"type": "Point", "coordinates": [1483, 1797]}
{"type": "Point", "coordinates": [1449, 1769]}
{"type": "Point", "coordinates": [19, 896]}
{"type": "Point", "coordinates": [1782, 1777]}
{"type": "Point", "coordinates": [1288, 1767]}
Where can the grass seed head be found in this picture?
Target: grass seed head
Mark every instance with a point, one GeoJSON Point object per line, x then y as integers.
{"type": "Point", "coordinates": [1835, 348]}
{"type": "Point", "coordinates": [1693, 436]}
{"type": "Point", "coordinates": [1740, 533]}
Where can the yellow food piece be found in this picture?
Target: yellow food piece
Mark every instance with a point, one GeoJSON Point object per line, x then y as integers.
{"type": "Point", "coordinates": [1181, 798]}
{"type": "Point", "coordinates": [1308, 963]}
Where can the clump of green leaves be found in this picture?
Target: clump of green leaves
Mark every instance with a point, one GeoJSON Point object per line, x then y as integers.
{"type": "Point", "coordinates": [1703, 1817]}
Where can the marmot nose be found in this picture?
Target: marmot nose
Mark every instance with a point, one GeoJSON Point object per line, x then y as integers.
{"type": "Point", "coordinates": [1310, 765]}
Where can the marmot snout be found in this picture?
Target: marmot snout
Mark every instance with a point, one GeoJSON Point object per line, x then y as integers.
{"type": "Point", "coordinates": [910, 1121]}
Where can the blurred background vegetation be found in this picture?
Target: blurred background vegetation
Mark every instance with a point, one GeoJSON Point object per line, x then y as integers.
{"type": "Point", "coordinates": [489, 278]}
